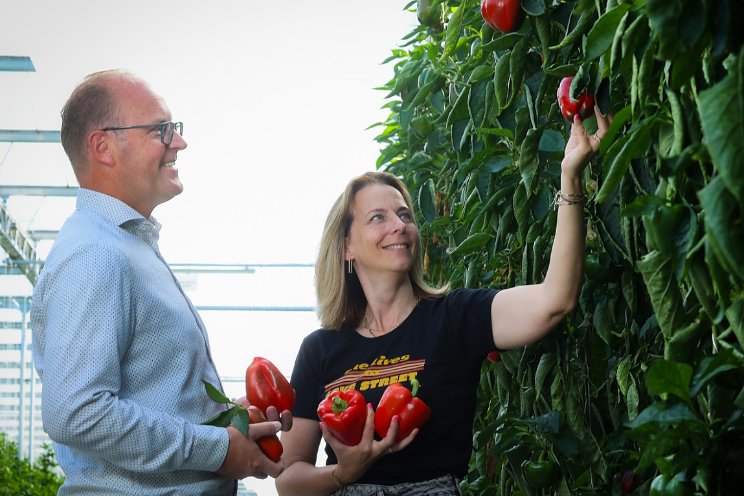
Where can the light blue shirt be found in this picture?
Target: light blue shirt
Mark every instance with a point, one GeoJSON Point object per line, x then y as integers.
{"type": "Point", "coordinates": [122, 354]}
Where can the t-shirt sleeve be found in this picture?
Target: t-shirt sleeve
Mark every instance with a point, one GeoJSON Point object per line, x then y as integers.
{"type": "Point", "coordinates": [306, 378]}
{"type": "Point", "coordinates": [470, 315]}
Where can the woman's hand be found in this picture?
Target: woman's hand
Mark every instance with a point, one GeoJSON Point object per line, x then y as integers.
{"type": "Point", "coordinates": [355, 461]}
{"type": "Point", "coordinates": [581, 148]}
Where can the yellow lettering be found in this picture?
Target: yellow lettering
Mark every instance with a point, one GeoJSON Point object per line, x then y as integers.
{"type": "Point", "coordinates": [362, 366]}
{"type": "Point", "coordinates": [364, 385]}
{"type": "Point", "coordinates": [395, 360]}
{"type": "Point", "coordinates": [384, 382]}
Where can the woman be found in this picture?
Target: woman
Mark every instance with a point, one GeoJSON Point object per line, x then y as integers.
{"type": "Point", "coordinates": [382, 323]}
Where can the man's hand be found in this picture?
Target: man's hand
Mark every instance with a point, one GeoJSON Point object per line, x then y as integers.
{"type": "Point", "coordinates": [244, 457]}
{"type": "Point", "coordinates": [285, 417]}
{"type": "Point", "coordinates": [271, 414]}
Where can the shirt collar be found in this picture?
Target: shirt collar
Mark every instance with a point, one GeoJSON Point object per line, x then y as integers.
{"type": "Point", "coordinates": [111, 209]}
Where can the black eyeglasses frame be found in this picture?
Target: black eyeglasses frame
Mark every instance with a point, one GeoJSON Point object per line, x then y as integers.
{"type": "Point", "coordinates": [166, 129]}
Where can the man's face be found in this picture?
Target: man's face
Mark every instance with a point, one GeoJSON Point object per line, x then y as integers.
{"type": "Point", "coordinates": [145, 165]}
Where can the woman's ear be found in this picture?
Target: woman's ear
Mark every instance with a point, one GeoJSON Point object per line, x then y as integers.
{"type": "Point", "coordinates": [348, 254]}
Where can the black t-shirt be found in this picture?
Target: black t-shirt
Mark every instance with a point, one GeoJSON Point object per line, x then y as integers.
{"type": "Point", "coordinates": [442, 343]}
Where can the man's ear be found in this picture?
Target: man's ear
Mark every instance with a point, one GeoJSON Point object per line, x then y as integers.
{"type": "Point", "coordinates": [98, 147]}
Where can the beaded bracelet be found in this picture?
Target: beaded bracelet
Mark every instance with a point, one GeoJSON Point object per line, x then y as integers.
{"type": "Point", "coordinates": [568, 199]}
{"type": "Point", "coordinates": [335, 477]}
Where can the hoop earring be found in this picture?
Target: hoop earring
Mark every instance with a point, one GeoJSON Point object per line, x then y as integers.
{"type": "Point", "coordinates": [349, 267]}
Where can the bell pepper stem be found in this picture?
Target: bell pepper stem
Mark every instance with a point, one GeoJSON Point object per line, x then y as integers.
{"type": "Point", "coordinates": [414, 387]}
{"type": "Point", "coordinates": [339, 405]}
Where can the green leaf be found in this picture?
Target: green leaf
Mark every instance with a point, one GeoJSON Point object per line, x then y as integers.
{"type": "Point", "coordinates": [584, 22]}
{"type": "Point", "coordinates": [723, 225]}
{"type": "Point", "coordinates": [426, 200]}
{"type": "Point", "coordinates": [454, 28]}
{"type": "Point", "coordinates": [669, 377]}
{"type": "Point", "coordinates": [459, 109]}
{"type": "Point", "coordinates": [520, 204]}
{"type": "Point", "coordinates": [477, 103]}
{"type": "Point", "coordinates": [241, 420]}
{"type": "Point", "coordinates": [480, 73]}
{"type": "Point", "coordinates": [632, 400]}
{"type": "Point", "coordinates": [547, 361]}
{"type": "Point", "coordinates": [664, 16]}
{"type": "Point", "coordinates": [710, 367]}
{"type": "Point", "coordinates": [471, 244]}
{"type": "Point", "coordinates": [637, 145]}
{"type": "Point", "coordinates": [223, 418]}
{"type": "Point", "coordinates": [600, 37]}
{"type": "Point", "coordinates": [548, 423]}
{"type": "Point", "coordinates": [657, 271]}
{"type": "Point", "coordinates": [721, 111]}
{"type": "Point", "coordinates": [643, 205]}
{"type": "Point", "coordinates": [420, 96]}
{"type": "Point", "coordinates": [735, 316]}
{"type": "Point", "coordinates": [215, 394]}
{"type": "Point", "coordinates": [658, 414]}
{"type": "Point", "coordinates": [501, 78]}
{"type": "Point", "coordinates": [551, 141]}
{"type": "Point", "coordinates": [622, 374]}
{"type": "Point", "coordinates": [503, 42]}
{"type": "Point", "coordinates": [534, 7]}
{"type": "Point", "coordinates": [615, 54]}
{"type": "Point", "coordinates": [528, 159]}
{"type": "Point", "coordinates": [602, 320]}
{"type": "Point", "coordinates": [517, 62]}
{"type": "Point", "coordinates": [618, 123]}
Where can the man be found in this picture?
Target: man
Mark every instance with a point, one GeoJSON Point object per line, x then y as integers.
{"type": "Point", "coordinates": [121, 351]}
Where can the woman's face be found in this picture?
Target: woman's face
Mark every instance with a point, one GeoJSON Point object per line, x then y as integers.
{"type": "Point", "coordinates": [383, 236]}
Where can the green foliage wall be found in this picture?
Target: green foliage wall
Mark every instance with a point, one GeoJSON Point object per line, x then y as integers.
{"type": "Point", "coordinates": [645, 378]}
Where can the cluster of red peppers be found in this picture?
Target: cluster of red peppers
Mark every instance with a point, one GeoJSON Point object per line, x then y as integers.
{"type": "Point", "coordinates": [265, 386]}
{"type": "Point", "coordinates": [345, 412]}
{"type": "Point", "coordinates": [508, 16]}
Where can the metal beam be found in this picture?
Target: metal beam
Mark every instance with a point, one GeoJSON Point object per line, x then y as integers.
{"type": "Point", "coordinates": [8, 190]}
{"type": "Point", "coordinates": [20, 302]}
{"type": "Point", "coordinates": [17, 245]}
{"type": "Point", "coordinates": [39, 234]}
{"type": "Point", "coordinates": [29, 136]}
{"type": "Point", "coordinates": [246, 308]}
{"type": "Point", "coordinates": [12, 63]}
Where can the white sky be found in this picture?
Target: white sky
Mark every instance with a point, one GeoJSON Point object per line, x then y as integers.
{"type": "Point", "coordinates": [275, 98]}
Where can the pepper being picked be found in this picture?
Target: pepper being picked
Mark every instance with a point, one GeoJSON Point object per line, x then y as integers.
{"type": "Point", "coordinates": [398, 400]}
{"type": "Point", "coordinates": [344, 413]}
{"type": "Point", "coordinates": [265, 386]}
{"type": "Point", "coordinates": [270, 445]}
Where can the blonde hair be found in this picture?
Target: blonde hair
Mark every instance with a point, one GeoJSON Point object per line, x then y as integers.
{"type": "Point", "coordinates": [340, 298]}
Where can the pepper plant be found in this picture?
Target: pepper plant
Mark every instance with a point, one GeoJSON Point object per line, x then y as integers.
{"type": "Point", "coordinates": [646, 376]}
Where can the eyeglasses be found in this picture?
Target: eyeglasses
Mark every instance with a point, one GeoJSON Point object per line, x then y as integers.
{"type": "Point", "coordinates": [166, 129]}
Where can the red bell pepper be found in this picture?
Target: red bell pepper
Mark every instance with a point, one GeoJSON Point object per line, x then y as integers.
{"type": "Point", "coordinates": [584, 106]}
{"type": "Point", "coordinates": [397, 400]}
{"type": "Point", "coordinates": [270, 445]}
{"type": "Point", "coordinates": [505, 15]}
{"type": "Point", "coordinates": [265, 386]}
{"type": "Point", "coordinates": [344, 413]}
